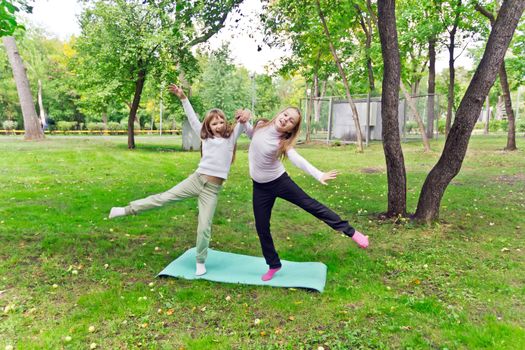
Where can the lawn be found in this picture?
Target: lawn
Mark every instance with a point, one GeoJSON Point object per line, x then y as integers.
{"type": "Point", "coordinates": [70, 278]}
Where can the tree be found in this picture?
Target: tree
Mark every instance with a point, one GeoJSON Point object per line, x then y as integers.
{"type": "Point", "coordinates": [124, 41]}
{"type": "Point", "coordinates": [449, 164]}
{"type": "Point", "coordinates": [32, 127]}
{"type": "Point", "coordinates": [355, 115]}
{"type": "Point", "coordinates": [395, 162]}
{"type": "Point", "coordinates": [511, 134]}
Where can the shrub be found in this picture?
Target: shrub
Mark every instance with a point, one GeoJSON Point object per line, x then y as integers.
{"type": "Point", "coordinates": [113, 126]}
{"type": "Point", "coordinates": [504, 125]}
{"type": "Point", "coordinates": [66, 126]}
{"type": "Point", "coordinates": [441, 126]}
{"type": "Point", "coordinates": [494, 125]}
{"type": "Point", "coordinates": [520, 125]}
{"type": "Point", "coordinates": [96, 126]}
{"type": "Point", "coordinates": [9, 125]}
{"type": "Point", "coordinates": [410, 126]}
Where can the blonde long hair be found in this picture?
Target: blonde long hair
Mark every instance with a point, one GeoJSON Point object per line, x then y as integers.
{"type": "Point", "coordinates": [288, 139]}
{"type": "Point", "coordinates": [226, 133]}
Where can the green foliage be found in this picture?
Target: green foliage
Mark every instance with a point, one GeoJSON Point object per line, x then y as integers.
{"type": "Point", "coordinates": [9, 125]}
{"type": "Point", "coordinates": [8, 10]}
{"type": "Point", "coordinates": [66, 126]}
{"type": "Point", "coordinates": [520, 125]}
{"type": "Point", "coordinates": [498, 125]}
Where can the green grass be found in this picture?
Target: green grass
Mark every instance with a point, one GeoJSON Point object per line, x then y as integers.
{"type": "Point", "coordinates": [458, 284]}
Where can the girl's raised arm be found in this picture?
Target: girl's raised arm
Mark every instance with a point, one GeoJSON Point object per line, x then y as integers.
{"type": "Point", "coordinates": [188, 109]}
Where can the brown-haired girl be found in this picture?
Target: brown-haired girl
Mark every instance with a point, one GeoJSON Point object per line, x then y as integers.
{"type": "Point", "coordinates": [271, 141]}
{"type": "Point", "coordinates": [218, 147]}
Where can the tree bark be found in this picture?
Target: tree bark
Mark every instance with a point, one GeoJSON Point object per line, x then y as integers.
{"type": "Point", "coordinates": [468, 112]}
{"type": "Point", "coordinates": [452, 70]}
{"type": "Point", "coordinates": [32, 127]}
{"type": "Point", "coordinates": [395, 163]}
{"type": "Point", "coordinates": [511, 132]}
{"type": "Point", "coordinates": [420, 124]}
{"type": "Point", "coordinates": [487, 116]}
{"type": "Point", "coordinates": [41, 106]}
{"type": "Point", "coordinates": [139, 85]}
{"type": "Point", "coordinates": [431, 86]}
{"type": "Point", "coordinates": [355, 115]}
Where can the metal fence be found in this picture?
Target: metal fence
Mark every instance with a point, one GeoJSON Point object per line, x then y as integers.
{"type": "Point", "coordinates": [331, 118]}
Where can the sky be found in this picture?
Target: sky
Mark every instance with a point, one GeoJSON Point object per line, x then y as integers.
{"type": "Point", "coordinates": [59, 18]}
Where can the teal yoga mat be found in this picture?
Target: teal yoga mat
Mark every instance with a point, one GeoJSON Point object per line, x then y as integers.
{"type": "Point", "coordinates": [237, 268]}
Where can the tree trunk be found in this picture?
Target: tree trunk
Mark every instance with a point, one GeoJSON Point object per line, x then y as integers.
{"type": "Point", "coordinates": [511, 133]}
{"type": "Point", "coordinates": [418, 117]}
{"type": "Point", "coordinates": [431, 86]}
{"type": "Point", "coordinates": [41, 106]}
{"type": "Point", "coordinates": [468, 112]}
{"type": "Point", "coordinates": [322, 92]}
{"type": "Point", "coordinates": [451, 80]}
{"type": "Point", "coordinates": [355, 115]}
{"type": "Point", "coordinates": [395, 163]}
{"type": "Point", "coordinates": [139, 85]}
{"type": "Point", "coordinates": [32, 127]}
{"type": "Point", "coordinates": [487, 116]}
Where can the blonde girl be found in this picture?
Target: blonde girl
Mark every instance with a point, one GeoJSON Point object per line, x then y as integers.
{"type": "Point", "coordinates": [272, 141]}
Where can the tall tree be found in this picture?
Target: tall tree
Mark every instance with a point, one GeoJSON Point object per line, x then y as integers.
{"type": "Point", "coordinates": [123, 41]}
{"type": "Point", "coordinates": [511, 133]}
{"type": "Point", "coordinates": [449, 164]}
{"type": "Point", "coordinates": [355, 114]}
{"type": "Point", "coordinates": [395, 162]}
{"type": "Point", "coordinates": [32, 126]}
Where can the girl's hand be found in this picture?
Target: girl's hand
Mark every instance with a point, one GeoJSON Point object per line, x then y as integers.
{"type": "Point", "coordinates": [174, 89]}
{"type": "Point", "coordinates": [330, 175]}
{"type": "Point", "coordinates": [243, 115]}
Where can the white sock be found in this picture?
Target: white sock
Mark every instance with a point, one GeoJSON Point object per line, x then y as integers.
{"type": "Point", "coordinates": [116, 212]}
{"type": "Point", "coordinates": [201, 269]}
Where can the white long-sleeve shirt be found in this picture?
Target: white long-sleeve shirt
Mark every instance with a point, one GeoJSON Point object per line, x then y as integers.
{"type": "Point", "coordinates": [217, 152]}
{"type": "Point", "coordinates": [262, 154]}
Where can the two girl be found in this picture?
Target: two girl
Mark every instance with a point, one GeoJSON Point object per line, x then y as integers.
{"type": "Point", "coordinates": [271, 142]}
{"type": "Point", "coordinates": [218, 146]}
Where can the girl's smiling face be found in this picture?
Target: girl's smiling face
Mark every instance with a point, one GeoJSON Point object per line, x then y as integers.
{"type": "Point", "coordinates": [217, 126]}
{"type": "Point", "coordinates": [287, 120]}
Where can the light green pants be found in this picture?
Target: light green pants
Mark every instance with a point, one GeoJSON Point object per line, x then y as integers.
{"type": "Point", "coordinates": [196, 185]}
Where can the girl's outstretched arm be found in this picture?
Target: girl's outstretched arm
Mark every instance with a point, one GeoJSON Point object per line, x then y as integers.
{"type": "Point", "coordinates": [243, 117]}
{"type": "Point", "coordinates": [188, 109]}
{"type": "Point", "coordinates": [303, 164]}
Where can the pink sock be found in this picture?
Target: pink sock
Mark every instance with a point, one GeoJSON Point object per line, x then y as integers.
{"type": "Point", "coordinates": [269, 275]}
{"type": "Point", "coordinates": [360, 239]}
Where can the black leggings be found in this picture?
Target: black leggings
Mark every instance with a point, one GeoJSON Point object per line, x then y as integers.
{"type": "Point", "coordinates": [264, 195]}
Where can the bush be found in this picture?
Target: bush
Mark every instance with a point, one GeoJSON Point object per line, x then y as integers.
{"type": "Point", "coordinates": [9, 125]}
{"type": "Point", "coordinates": [410, 126]}
{"type": "Point", "coordinates": [520, 125]}
{"type": "Point", "coordinates": [504, 125]}
{"type": "Point", "coordinates": [96, 126]}
{"type": "Point", "coordinates": [441, 126]}
{"type": "Point", "coordinates": [113, 126]}
{"type": "Point", "coordinates": [66, 126]}
{"type": "Point", "coordinates": [494, 125]}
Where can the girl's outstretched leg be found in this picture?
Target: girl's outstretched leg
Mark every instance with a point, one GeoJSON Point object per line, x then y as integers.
{"type": "Point", "coordinates": [291, 192]}
{"type": "Point", "coordinates": [190, 187]}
